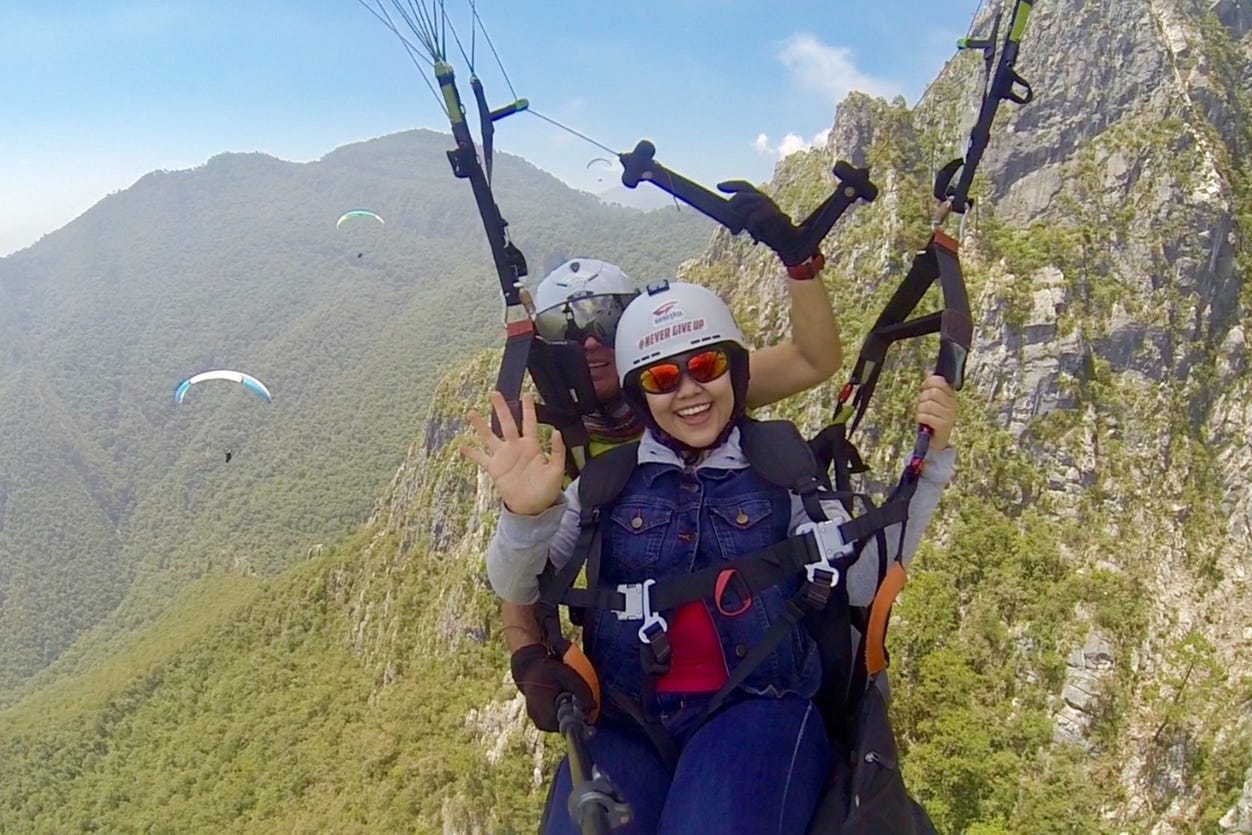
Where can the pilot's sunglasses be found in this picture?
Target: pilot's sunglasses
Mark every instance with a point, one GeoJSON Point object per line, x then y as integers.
{"type": "Point", "coordinates": [583, 316]}
{"type": "Point", "coordinates": [704, 367]}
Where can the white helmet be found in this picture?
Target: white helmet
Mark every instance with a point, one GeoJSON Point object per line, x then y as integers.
{"type": "Point", "coordinates": [582, 296]}
{"type": "Point", "coordinates": [670, 319]}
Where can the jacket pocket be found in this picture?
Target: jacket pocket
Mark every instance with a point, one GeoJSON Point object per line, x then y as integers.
{"type": "Point", "coordinates": [637, 539]}
{"type": "Point", "coordinates": [742, 526]}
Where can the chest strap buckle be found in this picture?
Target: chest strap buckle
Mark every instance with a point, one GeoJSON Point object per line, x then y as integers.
{"type": "Point", "coordinates": [828, 539]}
{"type": "Point", "coordinates": [639, 607]}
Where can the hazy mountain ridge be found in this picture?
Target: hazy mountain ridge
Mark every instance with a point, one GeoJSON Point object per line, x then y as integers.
{"type": "Point", "coordinates": [237, 263]}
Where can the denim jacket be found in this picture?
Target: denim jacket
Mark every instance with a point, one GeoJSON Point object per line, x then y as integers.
{"type": "Point", "coordinates": [691, 518]}
{"type": "Point", "coordinates": [669, 521]}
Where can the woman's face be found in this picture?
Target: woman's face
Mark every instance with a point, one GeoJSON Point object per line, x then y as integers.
{"type": "Point", "coordinates": [696, 413]}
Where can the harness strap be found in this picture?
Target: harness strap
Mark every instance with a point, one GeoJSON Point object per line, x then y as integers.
{"type": "Point", "coordinates": [750, 573]}
{"type": "Point", "coordinates": [555, 585]}
{"type": "Point", "coordinates": [937, 261]}
{"type": "Point", "coordinates": [513, 365]}
{"type": "Point", "coordinates": [879, 610]}
{"type": "Point", "coordinates": [780, 629]}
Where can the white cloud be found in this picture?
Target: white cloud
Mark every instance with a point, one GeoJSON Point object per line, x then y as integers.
{"type": "Point", "coordinates": [829, 70]}
{"type": "Point", "coordinates": [789, 144]}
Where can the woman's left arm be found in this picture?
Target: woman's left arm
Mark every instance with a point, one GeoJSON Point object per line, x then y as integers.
{"type": "Point", "coordinates": [811, 356]}
{"type": "Point", "coordinates": [936, 408]}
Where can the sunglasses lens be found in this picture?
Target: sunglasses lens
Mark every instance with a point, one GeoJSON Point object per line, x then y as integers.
{"type": "Point", "coordinates": [660, 378]}
{"type": "Point", "coordinates": [578, 318]}
{"type": "Point", "coordinates": [551, 324]}
{"type": "Point", "coordinates": [707, 366]}
{"type": "Point", "coordinates": [704, 367]}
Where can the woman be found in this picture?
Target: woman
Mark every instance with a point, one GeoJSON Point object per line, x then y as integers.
{"type": "Point", "coordinates": [582, 300]}
{"type": "Point", "coordinates": [758, 764]}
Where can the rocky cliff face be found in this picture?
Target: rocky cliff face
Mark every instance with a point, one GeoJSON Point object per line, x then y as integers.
{"type": "Point", "coordinates": [1108, 392]}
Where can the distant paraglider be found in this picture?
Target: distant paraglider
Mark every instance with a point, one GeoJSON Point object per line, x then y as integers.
{"type": "Point", "coordinates": [363, 230]}
{"type": "Point", "coordinates": [347, 217]}
{"type": "Point", "coordinates": [249, 382]}
{"type": "Point", "coordinates": [601, 167]}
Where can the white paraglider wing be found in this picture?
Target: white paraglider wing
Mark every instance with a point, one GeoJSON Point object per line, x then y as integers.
{"type": "Point", "coordinates": [246, 380]}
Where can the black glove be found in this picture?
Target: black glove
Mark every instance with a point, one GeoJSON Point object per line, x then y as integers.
{"type": "Point", "coordinates": [542, 677]}
{"type": "Point", "coordinates": [767, 223]}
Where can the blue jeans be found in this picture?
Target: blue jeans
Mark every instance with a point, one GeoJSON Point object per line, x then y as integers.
{"type": "Point", "coordinates": [759, 766]}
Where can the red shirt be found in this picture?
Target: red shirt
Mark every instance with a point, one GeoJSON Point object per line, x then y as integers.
{"type": "Point", "coordinates": [697, 664]}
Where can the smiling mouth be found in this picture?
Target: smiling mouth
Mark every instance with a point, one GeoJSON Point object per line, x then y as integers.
{"type": "Point", "coordinates": [694, 411]}
{"type": "Point", "coordinates": [594, 365]}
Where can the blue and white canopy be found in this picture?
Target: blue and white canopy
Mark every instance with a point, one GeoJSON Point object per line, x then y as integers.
{"type": "Point", "coordinates": [247, 380]}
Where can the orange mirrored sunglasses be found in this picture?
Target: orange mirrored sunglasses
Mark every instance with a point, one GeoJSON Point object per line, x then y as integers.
{"type": "Point", "coordinates": [704, 367]}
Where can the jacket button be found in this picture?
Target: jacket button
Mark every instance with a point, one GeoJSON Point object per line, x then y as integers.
{"type": "Point", "coordinates": [636, 523]}
{"type": "Point", "coordinates": [741, 519]}
{"type": "Point", "coordinates": [740, 650]}
{"type": "Point", "coordinates": [686, 536]}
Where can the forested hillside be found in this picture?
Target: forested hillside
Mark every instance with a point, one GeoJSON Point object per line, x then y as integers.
{"type": "Point", "coordinates": [109, 492]}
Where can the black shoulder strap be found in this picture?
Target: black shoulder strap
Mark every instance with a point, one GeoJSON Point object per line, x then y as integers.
{"type": "Point", "coordinates": [778, 453]}
{"type": "Point", "coordinates": [838, 460]}
{"type": "Point", "coordinates": [604, 476]}
{"type": "Point", "coordinates": [600, 483]}
{"type": "Point", "coordinates": [560, 374]}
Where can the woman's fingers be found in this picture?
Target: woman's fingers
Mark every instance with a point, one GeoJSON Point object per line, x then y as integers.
{"type": "Point", "coordinates": [479, 457]}
{"type": "Point", "coordinates": [936, 408]}
{"type": "Point", "coordinates": [529, 427]}
{"type": "Point", "coordinates": [556, 461]}
{"type": "Point", "coordinates": [484, 432]}
{"type": "Point", "coordinates": [508, 426]}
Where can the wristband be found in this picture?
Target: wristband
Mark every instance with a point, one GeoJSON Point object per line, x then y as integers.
{"type": "Point", "coordinates": [808, 269]}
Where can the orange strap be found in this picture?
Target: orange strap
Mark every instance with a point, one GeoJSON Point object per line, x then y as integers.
{"type": "Point", "coordinates": [576, 658]}
{"type": "Point", "coordinates": [876, 632]}
{"type": "Point", "coordinates": [947, 242]}
{"type": "Point", "coordinates": [520, 328]}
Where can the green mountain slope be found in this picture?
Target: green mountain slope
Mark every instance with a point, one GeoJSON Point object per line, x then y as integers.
{"type": "Point", "coordinates": [112, 493]}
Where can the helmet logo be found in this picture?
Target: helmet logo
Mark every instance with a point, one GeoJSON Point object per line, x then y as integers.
{"type": "Point", "coordinates": [671, 331]}
{"type": "Point", "coordinates": [667, 312]}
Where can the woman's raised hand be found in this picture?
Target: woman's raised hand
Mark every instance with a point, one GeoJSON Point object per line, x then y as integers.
{"type": "Point", "coordinates": [527, 478]}
{"type": "Point", "coordinates": [936, 408]}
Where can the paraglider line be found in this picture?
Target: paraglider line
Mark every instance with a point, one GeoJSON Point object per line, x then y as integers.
{"type": "Point", "coordinates": [970, 31]}
{"type": "Point", "coordinates": [421, 25]}
{"type": "Point", "coordinates": [568, 129]}
{"type": "Point", "coordinates": [427, 27]}
{"type": "Point", "coordinates": [459, 45]}
{"type": "Point", "coordinates": [381, 14]}
{"type": "Point", "coordinates": [496, 55]}
{"type": "Point", "coordinates": [413, 51]}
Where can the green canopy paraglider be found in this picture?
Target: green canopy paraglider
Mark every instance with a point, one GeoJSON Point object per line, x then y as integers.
{"type": "Point", "coordinates": [362, 230]}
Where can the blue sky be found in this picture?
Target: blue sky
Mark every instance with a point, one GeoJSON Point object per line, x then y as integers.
{"type": "Point", "coordinates": [96, 93]}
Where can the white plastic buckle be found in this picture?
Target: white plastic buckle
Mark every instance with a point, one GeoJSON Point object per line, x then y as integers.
{"type": "Point", "coordinates": [639, 606]}
{"type": "Point", "coordinates": [830, 545]}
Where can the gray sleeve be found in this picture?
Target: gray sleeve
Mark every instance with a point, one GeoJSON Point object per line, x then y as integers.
{"type": "Point", "coordinates": [522, 545]}
{"type": "Point", "coordinates": [862, 579]}
{"type": "Point", "coordinates": [863, 576]}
